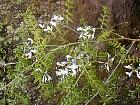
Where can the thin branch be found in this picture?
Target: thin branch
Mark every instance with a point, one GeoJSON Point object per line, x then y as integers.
{"type": "Point", "coordinates": [72, 29]}
{"type": "Point", "coordinates": [2, 63]}
{"type": "Point", "coordinates": [136, 40]}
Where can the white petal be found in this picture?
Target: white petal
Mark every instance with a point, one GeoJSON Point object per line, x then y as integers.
{"type": "Point", "coordinates": [73, 61]}
{"type": "Point", "coordinates": [64, 72]}
{"type": "Point", "coordinates": [61, 63]}
{"type": "Point", "coordinates": [48, 28]}
{"type": "Point", "coordinates": [53, 23]}
{"type": "Point", "coordinates": [107, 67]}
{"type": "Point", "coordinates": [41, 26]}
{"type": "Point", "coordinates": [129, 73]}
{"type": "Point", "coordinates": [92, 36]}
{"type": "Point", "coordinates": [38, 70]}
{"type": "Point", "coordinates": [55, 17]}
{"type": "Point", "coordinates": [64, 63]}
{"type": "Point", "coordinates": [79, 29]}
{"type": "Point", "coordinates": [73, 72]}
{"type": "Point", "coordinates": [33, 51]}
{"type": "Point", "coordinates": [112, 59]}
{"type": "Point", "coordinates": [108, 55]}
{"type": "Point", "coordinates": [61, 18]}
{"type": "Point", "coordinates": [73, 67]}
{"type": "Point", "coordinates": [31, 40]}
{"type": "Point", "coordinates": [29, 55]}
{"type": "Point", "coordinates": [46, 78]}
{"type": "Point", "coordinates": [58, 64]}
{"type": "Point", "coordinates": [101, 62]}
{"type": "Point", "coordinates": [49, 77]}
{"type": "Point", "coordinates": [128, 67]}
{"type": "Point", "coordinates": [94, 29]}
{"type": "Point", "coordinates": [68, 57]}
{"type": "Point", "coordinates": [58, 73]}
{"type": "Point", "coordinates": [138, 74]}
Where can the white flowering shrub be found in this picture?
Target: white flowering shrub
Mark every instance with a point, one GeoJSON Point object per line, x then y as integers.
{"type": "Point", "coordinates": [48, 70]}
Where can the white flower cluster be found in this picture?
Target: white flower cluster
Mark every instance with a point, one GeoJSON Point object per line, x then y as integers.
{"type": "Point", "coordinates": [30, 50]}
{"type": "Point", "coordinates": [136, 70]}
{"type": "Point", "coordinates": [53, 23]}
{"type": "Point", "coordinates": [87, 32]}
{"type": "Point", "coordinates": [68, 67]}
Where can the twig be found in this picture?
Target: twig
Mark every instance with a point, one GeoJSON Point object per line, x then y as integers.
{"type": "Point", "coordinates": [136, 40]}
{"type": "Point", "coordinates": [2, 63]}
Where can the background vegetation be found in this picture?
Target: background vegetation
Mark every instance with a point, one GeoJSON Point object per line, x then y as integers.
{"type": "Point", "coordinates": [51, 55]}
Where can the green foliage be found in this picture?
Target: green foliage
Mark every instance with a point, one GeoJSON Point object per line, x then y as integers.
{"type": "Point", "coordinates": [69, 73]}
{"type": "Point", "coordinates": [68, 13]}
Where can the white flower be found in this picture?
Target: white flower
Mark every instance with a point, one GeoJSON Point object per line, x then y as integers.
{"type": "Point", "coordinates": [48, 29]}
{"type": "Point", "coordinates": [138, 74]}
{"type": "Point", "coordinates": [93, 29]}
{"type": "Point", "coordinates": [107, 64]}
{"type": "Point", "coordinates": [87, 32]}
{"type": "Point", "coordinates": [33, 50]}
{"type": "Point", "coordinates": [29, 42]}
{"type": "Point", "coordinates": [66, 68]}
{"type": "Point", "coordinates": [61, 18]}
{"type": "Point", "coordinates": [73, 67]}
{"type": "Point", "coordinates": [108, 55]}
{"type": "Point", "coordinates": [82, 36]}
{"type": "Point", "coordinates": [53, 23]}
{"type": "Point", "coordinates": [21, 24]}
{"type": "Point", "coordinates": [56, 20]}
{"type": "Point", "coordinates": [55, 17]}
{"type": "Point", "coordinates": [46, 78]}
{"type": "Point", "coordinates": [62, 73]}
{"type": "Point", "coordinates": [129, 73]}
{"type": "Point", "coordinates": [74, 72]}
{"type": "Point", "coordinates": [68, 57]}
{"type": "Point", "coordinates": [61, 63]}
{"type": "Point", "coordinates": [136, 70]}
{"type": "Point", "coordinates": [112, 59]}
{"type": "Point", "coordinates": [41, 25]}
{"type": "Point", "coordinates": [79, 29]}
{"type": "Point", "coordinates": [129, 67]}
{"type": "Point", "coordinates": [138, 67]}
{"type": "Point", "coordinates": [30, 53]}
